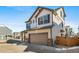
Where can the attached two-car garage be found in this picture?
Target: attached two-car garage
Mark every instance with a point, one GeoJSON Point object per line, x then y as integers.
{"type": "Point", "coordinates": [39, 38]}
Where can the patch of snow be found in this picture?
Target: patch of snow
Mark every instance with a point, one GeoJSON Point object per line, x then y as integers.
{"type": "Point", "coordinates": [67, 48]}
{"type": "Point", "coordinates": [74, 47]}
{"type": "Point", "coordinates": [61, 49]}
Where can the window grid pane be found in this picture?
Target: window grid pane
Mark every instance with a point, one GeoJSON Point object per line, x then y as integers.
{"type": "Point", "coordinates": [44, 19]}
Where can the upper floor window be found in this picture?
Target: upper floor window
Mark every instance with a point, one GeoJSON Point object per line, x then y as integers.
{"type": "Point", "coordinates": [40, 20]}
{"type": "Point", "coordinates": [44, 19]}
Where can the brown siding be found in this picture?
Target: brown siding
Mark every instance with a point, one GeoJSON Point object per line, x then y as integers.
{"type": "Point", "coordinates": [39, 31]}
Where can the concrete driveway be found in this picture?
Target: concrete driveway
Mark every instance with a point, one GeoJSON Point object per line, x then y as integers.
{"type": "Point", "coordinates": [47, 49]}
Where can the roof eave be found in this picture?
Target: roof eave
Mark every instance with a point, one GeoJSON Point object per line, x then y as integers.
{"type": "Point", "coordinates": [63, 10]}
{"type": "Point", "coordinates": [36, 11]}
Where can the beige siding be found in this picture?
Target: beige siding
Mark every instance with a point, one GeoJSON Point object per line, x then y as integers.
{"type": "Point", "coordinates": [34, 25]}
{"type": "Point", "coordinates": [45, 12]}
{"type": "Point", "coordinates": [57, 27]}
{"type": "Point", "coordinates": [58, 12]}
{"type": "Point", "coordinates": [56, 19]}
{"type": "Point", "coordinates": [39, 31]}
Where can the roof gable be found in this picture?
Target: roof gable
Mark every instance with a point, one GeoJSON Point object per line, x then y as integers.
{"type": "Point", "coordinates": [62, 9]}
{"type": "Point", "coordinates": [41, 8]}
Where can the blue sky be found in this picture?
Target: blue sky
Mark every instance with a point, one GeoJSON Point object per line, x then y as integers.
{"type": "Point", "coordinates": [15, 16]}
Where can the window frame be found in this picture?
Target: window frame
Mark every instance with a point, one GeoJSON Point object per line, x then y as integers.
{"type": "Point", "coordinates": [44, 19]}
{"type": "Point", "coordinates": [28, 26]}
{"type": "Point", "coordinates": [47, 19]}
{"type": "Point", "coordinates": [40, 21]}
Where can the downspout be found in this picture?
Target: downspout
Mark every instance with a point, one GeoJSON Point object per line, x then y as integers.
{"type": "Point", "coordinates": [53, 42]}
{"type": "Point", "coordinates": [36, 21]}
{"type": "Point", "coordinates": [51, 36]}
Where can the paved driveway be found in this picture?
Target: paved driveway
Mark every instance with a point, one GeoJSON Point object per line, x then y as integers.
{"type": "Point", "coordinates": [47, 49]}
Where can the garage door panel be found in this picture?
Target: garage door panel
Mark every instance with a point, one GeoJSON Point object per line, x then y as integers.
{"type": "Point", "coordinates": [39, 38]}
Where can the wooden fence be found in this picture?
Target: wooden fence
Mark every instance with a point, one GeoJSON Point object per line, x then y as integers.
{"type": "Point", "coordinates": [69, 41]}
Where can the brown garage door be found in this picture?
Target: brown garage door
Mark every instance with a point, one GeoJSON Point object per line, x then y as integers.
{"type": "Point", "coordinates": [39, 38]}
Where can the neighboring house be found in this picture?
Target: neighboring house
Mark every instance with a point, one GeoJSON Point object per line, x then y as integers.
{"type": "Point", "coordinates": [77, 34]}
{"type": "Point", "coordinates": [23, 35]}
{"type": "Point", "coordinates": [44, 25]}
{"type": "Point", "coordinates": [5, 32]}
{"type": "Point", "coordinates": [16, 35]}
{"type": "Point", "coordinates": [69, 31]}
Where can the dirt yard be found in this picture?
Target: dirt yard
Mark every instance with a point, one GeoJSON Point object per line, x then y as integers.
{"type": "Point", "coordinates": [13, 48]}
{"type": "Point", "coordinates": [10, 48]}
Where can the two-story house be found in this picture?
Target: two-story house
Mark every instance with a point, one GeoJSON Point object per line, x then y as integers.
{"type": "Point", "coordinates": [44, 25]}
